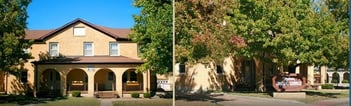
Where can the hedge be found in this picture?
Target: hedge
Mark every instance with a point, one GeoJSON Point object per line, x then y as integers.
{"type": "Point", "coordinates": [76, 93]}
{"type": "Point", "coordinates": [327, 86]}
{"type": "Point", "coordinates": [135, 95]}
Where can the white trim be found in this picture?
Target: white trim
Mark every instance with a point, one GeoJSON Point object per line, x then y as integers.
{"type": "Point", "coordinates": [118, 49]}
{"type": "Point", "coordinates": [58, 49]}
{"type": "Point", "coordinates": [92, 48]}
{"type": "Point", "coordinates": [79, 31]}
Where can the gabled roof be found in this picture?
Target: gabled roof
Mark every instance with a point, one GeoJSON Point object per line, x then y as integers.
{"type": "Point", "coordinates": [39, 35]}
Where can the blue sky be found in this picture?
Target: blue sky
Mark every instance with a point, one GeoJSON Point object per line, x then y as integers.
{"type": "Point", "coordinates": [51, 14]}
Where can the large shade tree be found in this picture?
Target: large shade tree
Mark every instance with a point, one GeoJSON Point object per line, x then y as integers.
{"type": "Point", "coordinates": [280, 32]}
{"type": "Point", "coordinates": [13, 16]}
{"type": "Point", "coordinates": [153, 32]}
{"type": "Point", "coordinates": [202, 31]}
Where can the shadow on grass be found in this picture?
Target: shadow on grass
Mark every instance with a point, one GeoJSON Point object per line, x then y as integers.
{"type": "Point", "coordinates": [329, 95]}
{"type": "Point", "coordinates": [201, 97]}
{"type": "Point", "coordinates": [23, 100]}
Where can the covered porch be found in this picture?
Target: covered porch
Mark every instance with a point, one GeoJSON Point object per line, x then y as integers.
{"type": "Point", "coordinates": [91, 78]}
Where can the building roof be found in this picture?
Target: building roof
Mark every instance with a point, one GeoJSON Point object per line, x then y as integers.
{"type": "Point", "coordinates": [116, 33]}
{"type": "Point", "coordinates": [90, 60]}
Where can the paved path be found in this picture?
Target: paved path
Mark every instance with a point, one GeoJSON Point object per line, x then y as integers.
{"type": "Point", "coordinates": [234, 100]}
{"type": "Point", "coordinates": [107, 101]}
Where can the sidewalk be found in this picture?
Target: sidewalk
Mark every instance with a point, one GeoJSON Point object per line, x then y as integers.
{"type": "Point", "coordinates": [332, 102]}
{"type": "Point", "coordinates": [107, 101]}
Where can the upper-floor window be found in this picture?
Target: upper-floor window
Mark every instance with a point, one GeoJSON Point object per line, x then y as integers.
{"type": "Point", "coordinates": [54, 49]}
{"type": "Point", "coordinates": [78, 31]}
{"type": "Point", "coordinates": [114, 49]}
{"type": "Point", "coordinates": [26, 50]}
{"type": "Point", "coordinates": [88, 49]}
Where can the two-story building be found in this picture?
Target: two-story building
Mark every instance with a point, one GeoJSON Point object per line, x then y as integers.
{"type": "Point", "coordinates": [81, 56]}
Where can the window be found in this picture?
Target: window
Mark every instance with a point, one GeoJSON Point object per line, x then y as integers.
{"type": "Point", "coordinates": [88, 49]}
{"type": "Point", "coordinates": [24, 76]}
{"type": "Point", "coordinates": [133, 76]}
{"type": "Point", "coordinates": [219, 69]}
{"type": "Point", "coordinates": [114, 49]}
{"type": "Point", "coordinates": [26, 50]}
{"type": "Point", "coordinates": [181, 68]}
{"type": "Point", "coordinates": [53, 49]}
{"type": "Point", "coordinates": [110, 76]}
{"type": "Point", "coordinates": [79, 31]}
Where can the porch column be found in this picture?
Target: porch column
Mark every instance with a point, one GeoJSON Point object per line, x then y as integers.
{"type": "Point", "coordinates": [145, 81]}
{"type": "Point", "coordinates": [64, 83]}
{"type": "Point", "coordinates": [119, 84]}
{"type": "Point", "coordinates": [310, 76]}
{"type": "Point", "coordinates": [341, 77]}
{"type": "Point", "coordinates": [91, 83]}
{"type": "Point", "coordinates": [323, 74]}
{"type": "Point", "coordinates": [330, 77]}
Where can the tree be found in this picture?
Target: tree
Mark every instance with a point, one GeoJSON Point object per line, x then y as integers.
{"type": "Point", "coordinates": [153, 32]}
{"type": "Point", "coordinates": [202, 33]}
{"type": "Point", "coordinates": [279, 32]}
{"type": "Point", "coordinates": [13, 17]}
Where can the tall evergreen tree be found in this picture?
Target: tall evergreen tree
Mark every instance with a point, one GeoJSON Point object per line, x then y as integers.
{"type": "Point", "coordinates": [13, 15]}
{"type": "Point", "coordinates": [153, 32]}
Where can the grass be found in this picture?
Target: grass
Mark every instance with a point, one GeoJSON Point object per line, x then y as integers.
{"type": "Point", "coordinates": [72, 101]}
{"type": "Point", "coordinates": [15, 100]}
{"type": "Point", "coordinates": [311, 95]}
{"type": "Point", "coordinates": [144, 102]}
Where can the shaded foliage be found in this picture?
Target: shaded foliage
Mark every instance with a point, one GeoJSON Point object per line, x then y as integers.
{"type": "Point", "coordinates": [153, 32]}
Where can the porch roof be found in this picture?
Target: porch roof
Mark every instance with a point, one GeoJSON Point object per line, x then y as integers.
{"type": "Point", "coordinates": [90, 60]}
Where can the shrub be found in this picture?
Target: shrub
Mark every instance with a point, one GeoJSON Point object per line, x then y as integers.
{"type": "Point", "coordinates": [76, 93]}
{"type": "Point", "coordinates": [147, 95]}
{"type": "Point", "coordinates": [345, 81]}
{"type": "Point", "coordinates": [327, 86]}
{"type": "Point", "coordinates": [135, 95]}
{"type": "Point", "coordinates": [334, 81]}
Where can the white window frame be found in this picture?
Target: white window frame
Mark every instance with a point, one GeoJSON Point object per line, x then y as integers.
{"type": "Point", "coordinates": [50, 49]}
{"type": "Point", "coordinates": [92, 48]}
{"type": "Point", "coordinates": [110, 48]}
{"type": "Point", "coordinates": [26, 50]}
{"type": "Point", "coordinates": [79, 31]}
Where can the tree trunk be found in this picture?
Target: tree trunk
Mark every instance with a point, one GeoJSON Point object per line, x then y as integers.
{"type": "Point", "coordinates": [259, 74]}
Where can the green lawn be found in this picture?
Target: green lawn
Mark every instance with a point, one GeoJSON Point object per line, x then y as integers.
{"type": "Point", "coordinates": [311, 95]}
{"type": "Point", "coordinates": [143, 102]}
{"type": "Point", "coordinates": [72, 101]}
{"type": "Point", "coordinates": [15, 100]}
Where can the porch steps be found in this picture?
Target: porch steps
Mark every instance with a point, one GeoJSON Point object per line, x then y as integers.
{"type": "Point", "coordinates": [105, 94]}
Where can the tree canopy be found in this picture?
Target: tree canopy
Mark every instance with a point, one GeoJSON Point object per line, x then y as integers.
{"type": "Point", "coordinates": [153, 33]}
{"type": "Point", "coordinates": [13, 17]}
{"type": "Point", "coordinates": [279, 31]}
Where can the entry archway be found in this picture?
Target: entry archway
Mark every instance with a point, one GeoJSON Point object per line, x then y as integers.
{"type": "Point", "coordinates": [335, 77]}
{"type": "Point", "coordinates": [77, 79]}
{"type": "Point", "coordinates": [132, 81]}
{"type": "Point", "coordinates": [105, 80]}
{"type": "Point", "coordinates": [49, 83]}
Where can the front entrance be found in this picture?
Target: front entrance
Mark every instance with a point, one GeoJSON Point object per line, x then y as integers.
{"type": "Point", "coordinates": [105, 80]}
{"type": "Point", "coordinates": [50, 83]}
